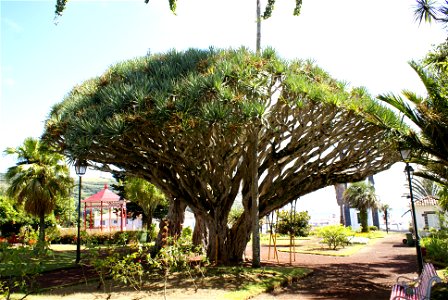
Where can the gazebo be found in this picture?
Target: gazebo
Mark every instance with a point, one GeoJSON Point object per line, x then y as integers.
{"type": "Point", "coordinates": [104, 199]}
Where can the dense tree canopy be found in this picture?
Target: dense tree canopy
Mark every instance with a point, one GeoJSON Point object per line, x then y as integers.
{"type": "Point", "coordinates": [182, 120]}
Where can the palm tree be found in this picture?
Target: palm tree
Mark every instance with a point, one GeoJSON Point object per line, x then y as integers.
{"type": "Point", "coordinates": [423, 187]}
{"type": "Point", "coordinates": [429, 10]}
{"type": "Point", "coordinates": [361, 195]}
{"type": "Point", "coordinates": [385, 208]}
{"type": "Point", "coordinates": [37, 180]}
{"type": "Point", "coordinates": [429, 114]}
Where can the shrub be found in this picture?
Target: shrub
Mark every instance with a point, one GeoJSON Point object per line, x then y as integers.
{"type": "Point", "coordinates": [436, 249]}
{"type": "Point", "coordinates": [295, 224]}
{"type": "Point", "coordinates": [335, 235]}
{"type": "Point", "coordinates": [373, 228]}
{"type": "Point", "coordinates": [28, 235]}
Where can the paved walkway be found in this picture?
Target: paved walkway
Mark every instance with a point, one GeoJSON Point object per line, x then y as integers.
{"type": "Point", "coordinates": [366, 275]}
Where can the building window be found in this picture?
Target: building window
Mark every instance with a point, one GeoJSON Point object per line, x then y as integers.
{"type": "Point", "coordinates": [430, 219]}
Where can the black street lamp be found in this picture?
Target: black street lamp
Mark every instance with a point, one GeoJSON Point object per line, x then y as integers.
{"type": "Point", "coordinates": [80, 169]}
{"type": "Point", "coordinates": [409, 171]}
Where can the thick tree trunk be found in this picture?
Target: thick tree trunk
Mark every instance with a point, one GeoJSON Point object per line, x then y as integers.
{"type": "Point", "coordinates": [175, 217]}
{"type": "Point", "coordinates": [200, 232]}
{"type": "Point", "coordinates": [226, 246]}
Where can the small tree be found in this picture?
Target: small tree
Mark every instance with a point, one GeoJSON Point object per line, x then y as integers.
{"type": "Point", "coordinates": [295, 224]}
{"type": "Point", "coordinates": [334, 235]}
{"type": "Point", "coordinates": [146, 195]}
{"type": "Point", "coordinates": [361, 195]}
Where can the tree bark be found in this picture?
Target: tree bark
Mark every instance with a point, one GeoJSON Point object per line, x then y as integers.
{"type": "Point", "coordinates": [175, 217]}
{"type": "Point", "coordinates": [227, 245]}
{"type": "Point", "coordinates": [42, 229]}
{"type": "Point", "coordinates": [364, 219]}
{"type": "Point", "coordinates": [254, 201]}
{"type": "Point", "coordinates": [340, 189]}
{"type": "Point", "coordinates": [200, 232]}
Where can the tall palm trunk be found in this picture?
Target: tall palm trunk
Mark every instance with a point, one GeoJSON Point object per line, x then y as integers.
{"type": "Point", "coordinates": [42, 229]}
{"type": "Point", "coordinates": [375, 214]}
{"type": "Point", "coordinates": [340, 189]}
{"type": "Point", "coordinates": [254, 170]}
{"type": "Point", "coordinates": [363, 216]}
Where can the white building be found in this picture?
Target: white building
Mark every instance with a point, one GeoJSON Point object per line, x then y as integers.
{"type": "Point", "coordinates": [426, 213]}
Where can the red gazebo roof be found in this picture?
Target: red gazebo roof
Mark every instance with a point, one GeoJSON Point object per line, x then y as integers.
{"type": "Point", "coordinates": [105, 195]}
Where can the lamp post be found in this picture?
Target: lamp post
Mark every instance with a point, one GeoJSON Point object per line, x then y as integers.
{"type": "Point", "coordinates": [409, 171]}
{"type": "Point", "coordinates": [80, 169]}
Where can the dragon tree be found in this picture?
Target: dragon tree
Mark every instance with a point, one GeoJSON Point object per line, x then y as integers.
{"type": "Point", "coordinates": [184, 122]}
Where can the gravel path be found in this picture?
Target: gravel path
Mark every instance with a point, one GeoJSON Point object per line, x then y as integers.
{"type": "Point", "coordinates": [366, 275]}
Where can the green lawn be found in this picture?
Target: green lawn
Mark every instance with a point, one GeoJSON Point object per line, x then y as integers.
{"type": "Point", "coordinates": [313, 245]}
{"type": "Point", "coordinates": [22, 260]}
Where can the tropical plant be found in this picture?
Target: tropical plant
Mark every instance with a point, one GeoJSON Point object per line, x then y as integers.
{"type": "Point", "coordinates": [20, 266]}
{"type": "Point", "coordinates": [184, 121]}
{"type": "Point", "coordinates": [429, 114]}
{"type": "Point", "coordinates": [443, 198]}
{"type": "Point", "coordinates": [385, 208]}
{"type": "Point", "coordinates": [9, 212]}
{"type": "Point", "coordinates": [146, 195]}
{"type": "Point", "coordinates": [431, 10]}
{"type": "Point", "coordinates": [423, 187]}
{"type": "Point", "coordinates": [38, 179]}
{"type": "Point", "coordinates": [294, 223]}
{"type": "Point", "coordinates": [361, 195]}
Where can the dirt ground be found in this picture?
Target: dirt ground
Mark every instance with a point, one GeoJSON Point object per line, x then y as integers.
{"type": "Point", "coordinates": [367, 274]}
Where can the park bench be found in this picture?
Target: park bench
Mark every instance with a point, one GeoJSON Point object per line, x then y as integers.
{"type": "Point", "coordinates": [415, 289]}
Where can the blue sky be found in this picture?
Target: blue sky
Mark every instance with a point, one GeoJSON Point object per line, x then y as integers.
{"type": "Point", "coordinates": [364, 42]}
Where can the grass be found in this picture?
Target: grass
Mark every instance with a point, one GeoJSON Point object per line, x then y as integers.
{"type": "Point", "coordinates": [312, 245]}
{"type": "Point", "coordinates": [23, 260]}
{"type": "Point", "coordinates": [265, 279]}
